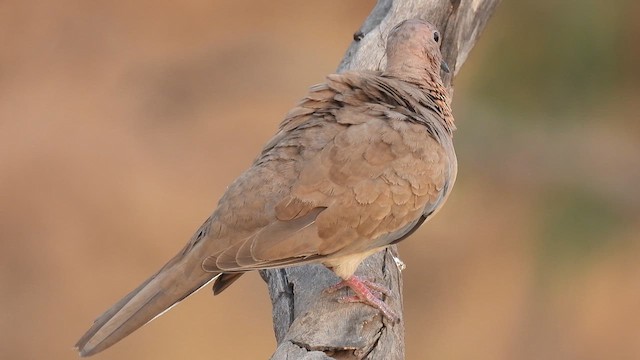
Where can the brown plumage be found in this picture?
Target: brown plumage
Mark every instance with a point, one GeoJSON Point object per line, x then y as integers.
{"type": "Point", "coordinates": [362, 161]}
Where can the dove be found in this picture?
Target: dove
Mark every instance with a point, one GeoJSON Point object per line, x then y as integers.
{"type": "Point", "coordinates": [358, 165]}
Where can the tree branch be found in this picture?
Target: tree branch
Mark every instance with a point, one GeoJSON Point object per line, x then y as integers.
{"type": "Point", "coordinates": [309, 324]}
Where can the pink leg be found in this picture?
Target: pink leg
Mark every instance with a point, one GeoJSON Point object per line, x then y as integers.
{"type": "Point", "coordinates": [377, 289]}
{"type": "Point", "coordinates": [366, 292]}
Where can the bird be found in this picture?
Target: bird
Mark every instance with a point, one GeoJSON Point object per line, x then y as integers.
{"type": "Point", "coordinates": [364, 159]}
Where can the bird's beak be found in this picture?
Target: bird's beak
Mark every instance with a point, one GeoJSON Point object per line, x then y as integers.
{"type": "Point", "coordinates": [444, 67]}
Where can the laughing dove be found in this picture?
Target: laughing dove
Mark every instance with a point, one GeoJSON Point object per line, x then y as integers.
{"type": "Point", "coordinates": [360, 163]}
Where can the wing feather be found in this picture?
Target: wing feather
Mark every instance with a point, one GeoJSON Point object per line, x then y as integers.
{"type": "Point", "coordinates": [359, 175]}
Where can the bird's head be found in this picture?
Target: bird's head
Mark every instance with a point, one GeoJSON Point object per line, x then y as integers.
{"type": "Point", "coordinates": [413, 46]}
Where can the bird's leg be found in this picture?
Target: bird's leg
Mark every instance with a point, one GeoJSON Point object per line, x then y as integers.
{"type": "Point", "coordinates": [367, 292]}
{"type": "Point", "coordinates": [377, 289]}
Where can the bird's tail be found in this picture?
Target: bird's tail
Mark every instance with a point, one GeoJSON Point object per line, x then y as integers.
{"type": "Point", "coordinates": [178, 279]}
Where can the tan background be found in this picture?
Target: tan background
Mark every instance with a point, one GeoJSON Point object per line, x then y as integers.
{"type": "Point", "coordinates": [121, 123]}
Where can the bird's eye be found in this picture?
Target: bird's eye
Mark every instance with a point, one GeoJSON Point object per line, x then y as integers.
{"type": "Point", "coordinates": [436, 36]}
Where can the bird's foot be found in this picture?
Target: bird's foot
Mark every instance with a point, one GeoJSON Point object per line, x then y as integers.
{"type": "Point", "coordinates": [366, 292]}
{"type": "Point", "coordinates": [376, 289]}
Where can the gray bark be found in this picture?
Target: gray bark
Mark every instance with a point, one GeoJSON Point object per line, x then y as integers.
{"type": "Point", "coordinates": [309, 324]}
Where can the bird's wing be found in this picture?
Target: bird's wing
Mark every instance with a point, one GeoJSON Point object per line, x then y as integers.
{"type": "Point", "coordinates": [361, 176]}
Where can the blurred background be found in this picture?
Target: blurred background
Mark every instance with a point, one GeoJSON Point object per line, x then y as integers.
{"type": "Point", "coordinates": [121, 123]}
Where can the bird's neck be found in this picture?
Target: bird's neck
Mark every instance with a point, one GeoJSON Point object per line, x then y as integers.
{"type": "Point", "coordinates": [429, 80]}
{"type": "Point", "coordinates": [441, 98]}
{"type": "Point", "coordinates": [413, 69]}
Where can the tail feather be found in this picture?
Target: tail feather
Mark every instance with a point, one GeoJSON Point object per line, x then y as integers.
{"type": "Point", "coordinates": [174, 282]}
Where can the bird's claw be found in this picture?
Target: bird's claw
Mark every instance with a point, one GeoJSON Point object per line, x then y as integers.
{"type": "Point", "coordinates": [366, 292]}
